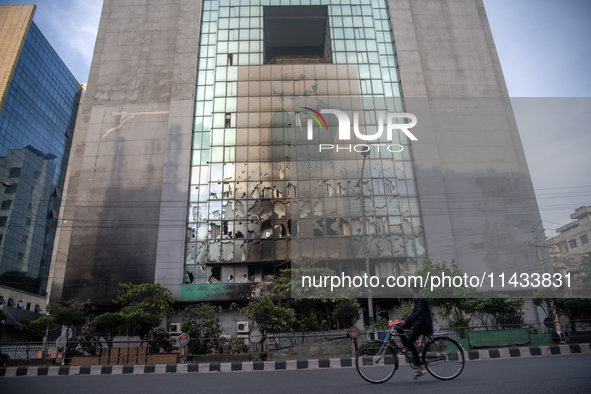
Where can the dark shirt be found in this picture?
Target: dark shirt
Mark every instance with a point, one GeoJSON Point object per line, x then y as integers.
{"type": "Point", "coordinates": [421, 314]}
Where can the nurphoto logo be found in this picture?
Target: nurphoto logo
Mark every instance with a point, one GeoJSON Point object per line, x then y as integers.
{"type": "Point", "coordinates": [344, 129]}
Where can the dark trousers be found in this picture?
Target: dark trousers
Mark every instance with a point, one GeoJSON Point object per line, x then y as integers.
{"type": "Point", "coordinates": [409, 342]}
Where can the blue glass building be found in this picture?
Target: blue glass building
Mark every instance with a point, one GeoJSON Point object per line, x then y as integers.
{"type": "Point", "coordinates": [36, 126]}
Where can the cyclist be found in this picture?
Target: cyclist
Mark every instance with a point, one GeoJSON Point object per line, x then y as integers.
{"type": "Point", "coordinates": [421, 322]}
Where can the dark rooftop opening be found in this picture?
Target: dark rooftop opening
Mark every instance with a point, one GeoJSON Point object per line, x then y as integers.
{"type": "Point", "coordinates": [296, 35]}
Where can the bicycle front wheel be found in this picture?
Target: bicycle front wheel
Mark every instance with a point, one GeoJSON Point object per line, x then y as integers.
{"type": "Point", "coordinates": [376, 362]}
{"type": "Point", "coordinates": [444, 358]}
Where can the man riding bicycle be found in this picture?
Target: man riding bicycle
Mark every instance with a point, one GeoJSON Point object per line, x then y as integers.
{"type": "Point", "coordinates": [421, 322]}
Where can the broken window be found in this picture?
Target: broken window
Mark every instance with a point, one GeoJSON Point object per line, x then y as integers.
{"type": "Point", "coordinates": [227, 251]}
{"type": "Point", "coordinates": [253, 211]}
{"type": "Point", "coordinates": [215, 251]}
{"type": "Point", "coordinates": [254, 229]}
{"type": "Point", "coordinates": [239, 210]}
{"type": "Point", "coordinates": [215, 230]}
{"type": "Point", "coordinates": [254, 250]}
{"type": "Point", "coordinates": [331, 227]}
{"type": "Point", "coordinates": [305, 209]}
{"type": "Point", "coordinates": [291, 191]}
{"type": "Point", "coordinates": [344, 226]}
{"type": "Point", "coordinates": [267, 229]}
{"type": "Point", "coordinates": [190, 253]}
{"type": "Point", "coordinates": [201, 253]}
{"type": "Point", "coordinates": [279, 209]}
{"type": "Point", "coordinates": [227, 210]}
{"type": "Point", "coordinates": [293, 227]}
{"type": "Point", "coordinates": [240, 230]}
{"type": "Point", "coordinates": [267, 210]}
{"type": "Point", "coordinates": [318, 228]}
{"type": "Point", "coordinates": [318, 208]}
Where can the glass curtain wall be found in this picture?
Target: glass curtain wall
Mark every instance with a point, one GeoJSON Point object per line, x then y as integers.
{"type": "Point", "coordinates": [245, 206]}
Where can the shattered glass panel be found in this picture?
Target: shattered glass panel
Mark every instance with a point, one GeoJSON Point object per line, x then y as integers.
{"type": "Point", "coordinates": [190, 253]}
{"type": "Point", "coordinates": [215, 230]}
{"type": "Point", "coordinates": [201, 254]}
{"type": "Point", "coordinates": [398, 246]}
{"type": "Point", "coordinates": [254, 229]}
{"type": "Point", "coordinates": [215, 251]}
{"type": "Point", "coordinates": [254, 250]}
{"type": "Point", "coordinates": [191, 232]}
{"type": "Point", "coordinates": [228, 189]}
{"type": "Point", "coordinates": [318, 207]}
{"type": "Point", "coordinates": [229, 171]}
{"type": "Point", "coordinates": [380, 204]}
{"type": "Point", "coordinates": [241, 250]}
{"type": "Point", "coordinates": [329, 188]}
{"type": "Point", "coordinates": [227, 251]}
{"type": "Point", "coordinates": [267, 210]}
{"type": "Point", "coordinates": [291, 190]}
{"type": "Point", "coordinates": [410, 246]}
{"type": "Point", "coordinates": [267, 190]}
{"type": "Point", "coordinates": [279, 209]}
{"type": "Point", "coordinates": [395, 224]}
{"type": "Point", "coordinates": [240, 229]}
{"type": "Point", "coordinates": [254, 190]}
{"type": "Point", "coordinates": [241, 190]}
{"type": "Point", "coordinates": [267, 229]}
{"type": "Point", "coordinates": [253, 211]}
{"type": "Point", "coordinates": [356, 226]}
{"type": "Point", "coordinates": [385, 246]}
{"type": "Point", "coordinates": [420, 245]}
{"type": "Point", "coordinates": [390, 187]}
{"type": "Point", "coordinates": [318, 228]}
{"type": "Point", "coordinates": [215, 209]}
{"type": "Point", "coordinates": [332, 227]}
{"type": "Point", "coordinates": [394, 206]}
{"type": "Point", "coordinates": [305, 208]}
{"type": "Point", "coordinates": [407, 226]}
{"type": "Point", "coordinates": [358, 248]}
{"type": "Point", "coordinates": [242, 172]}
{"type": "Point", "coordinates": [227, 210]}
{"type": "Point", "coordinates": [215, 191]}
{"type": "Point", "coordinates": [239, 210]}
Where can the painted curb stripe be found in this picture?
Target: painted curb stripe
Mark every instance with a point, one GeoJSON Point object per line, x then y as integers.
{"type": "Point", "coordinates": [502, 353]}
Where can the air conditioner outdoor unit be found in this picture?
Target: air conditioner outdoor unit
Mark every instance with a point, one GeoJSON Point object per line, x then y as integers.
{"type": "Point", "coordinates": [242, 327]}
{"type": "Point", "coordinates": [175, 328]}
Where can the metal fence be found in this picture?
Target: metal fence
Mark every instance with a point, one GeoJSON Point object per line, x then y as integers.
{"type": "Point", "coordinates": [133, 350]}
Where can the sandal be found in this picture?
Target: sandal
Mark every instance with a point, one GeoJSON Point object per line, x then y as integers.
{"type": "Point", "coordinates": [418, 374]}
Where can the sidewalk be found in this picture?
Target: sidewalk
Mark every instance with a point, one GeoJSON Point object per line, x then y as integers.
{"type": "Point", "coordinates": [470, 355]}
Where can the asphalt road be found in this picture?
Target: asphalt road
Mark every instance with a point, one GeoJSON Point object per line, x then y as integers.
{"type": "Point", "coordinates": [552, 374]}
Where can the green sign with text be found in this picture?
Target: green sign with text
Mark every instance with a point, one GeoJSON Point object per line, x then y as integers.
{"type": "Point", "coordinates": [215, 291]}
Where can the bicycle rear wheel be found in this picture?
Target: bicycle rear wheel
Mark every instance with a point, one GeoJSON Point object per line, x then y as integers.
{"type": "Point", "coordinates": [376, 362]}
{"type": "Point", "coordinates": [444, 358]}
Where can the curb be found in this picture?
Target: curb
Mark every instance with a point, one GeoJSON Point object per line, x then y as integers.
{"type": "Point", "coordinates": [485, 354]}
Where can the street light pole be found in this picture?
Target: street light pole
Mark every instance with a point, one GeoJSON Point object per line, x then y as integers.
{"type": "Point", "coordinates": [365, 244]}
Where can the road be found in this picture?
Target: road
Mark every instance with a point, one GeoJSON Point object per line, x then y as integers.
{"type": "Point", "coordinates": [552, 374]}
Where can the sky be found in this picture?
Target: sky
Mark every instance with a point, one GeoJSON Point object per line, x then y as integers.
{"type": "Point", "coordinates": [545, 53]}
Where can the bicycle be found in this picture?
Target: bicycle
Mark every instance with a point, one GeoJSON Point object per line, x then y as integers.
{"type": "Point", "coordinates": [377, 361]}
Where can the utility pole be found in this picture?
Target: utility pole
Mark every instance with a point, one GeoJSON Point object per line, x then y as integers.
{"type": "Point", "coordinates": [365, 244]}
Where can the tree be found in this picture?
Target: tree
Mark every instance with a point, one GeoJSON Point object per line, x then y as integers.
{"type": "Point", "coordinates": [346, 311]}
{"type": "Point", "coordinates": [73, 314]}
{"type": "Point", "coordinates": [272, 318]}
{"type": "Point", "coordinates": [202, 323]}
{"type": "Point", "coordinates": [107, 325]}
{"type": "Point", "coordinates": [146, 297]}
{"type": "Point", "coordinates": [37, 327]}
{"type": "Point", "coordinates": [498, 311]}
{"type": "Point", "coordinates": [454, 303]}
{"type": "Point", "coordinates": [159, 338]}
{"type": "Point", "coordinates": [141, 323]}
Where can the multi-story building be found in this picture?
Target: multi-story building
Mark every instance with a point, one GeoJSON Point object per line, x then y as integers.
{"type": "Point", "coordinates": [572, 244]}
{"type": "Point", "coordinates": [192, 169]}
{"type": "Point", "coordinates": [39, 102]}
